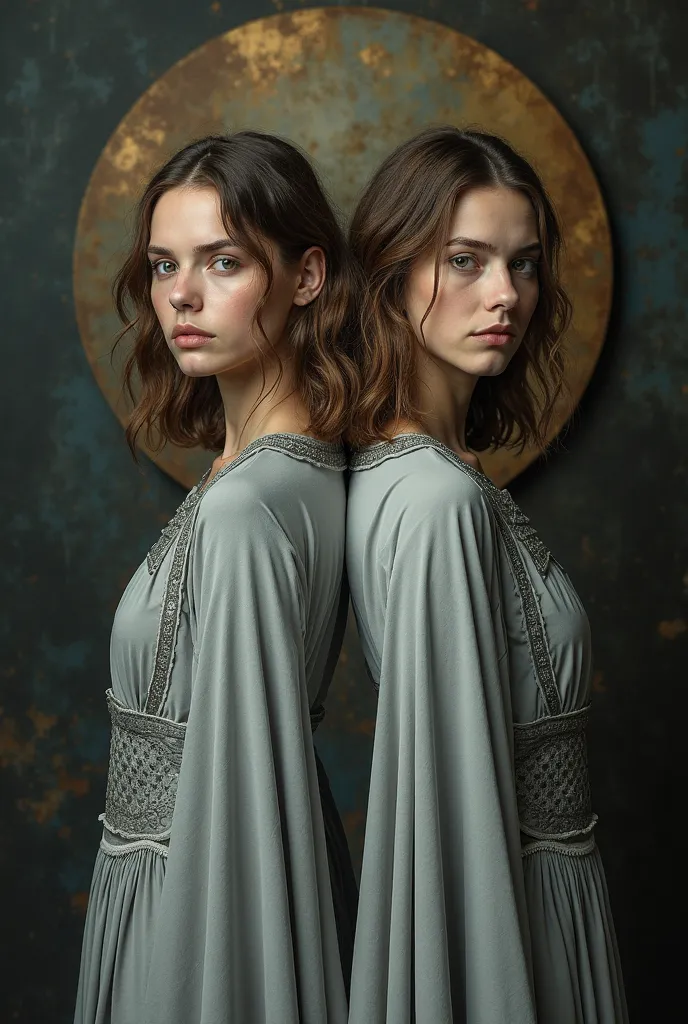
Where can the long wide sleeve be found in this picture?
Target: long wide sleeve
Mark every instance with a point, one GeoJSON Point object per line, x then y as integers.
{"type": "Point", "coordinates": [246, 929]}
{"type": "Point", "coordinates": [442, 932]}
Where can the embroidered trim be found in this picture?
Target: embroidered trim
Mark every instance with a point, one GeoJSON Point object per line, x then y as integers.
{"type": "Point", "coordinates": [122, 833]}
{"type": "Point", "coordinates": [507, 509]}
{"type": "Point", "coordinates": [169, 532]}
{"type": "Point", "coordinates": [568, 849]}
{"type": "Point", "coordinates": [512, 523]}
{"type": "Point", "coordinates": [123, 851]}
{"type": "Point", "coordinates": [560, 836]}
{"type": "Point", "coordinates": [323, 454]}
{"type": "Point", "coordinates": [308, 449]}
{"type": "Point", "coordinates": [141, 722]}
{"type": "Point", "coordinates": [145, 760]}
{"type": "Point", "coordinates": [553, 726]}
{"type": "Point", "coordinates": [535, 627]}
{"type": "Point", "coordinates": [552, 784]}
{"type": "Point", "coordinates": [169, 618]}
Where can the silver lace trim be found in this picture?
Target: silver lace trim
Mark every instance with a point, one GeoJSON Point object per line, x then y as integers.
{"type": "Point", "coordinates": [513, 525]}
{"type": "Point", "coordinates": [504, 505]}
{"type": "Point", "coordinates": [145, 759]}
{"type": "Point", "coordinates": [169, 532]}
{"type": "Point", "coordinates": [535, 627]}
{"type": "Point", "coordinates": [170, 612]}
{"type": "Point", "coordinates": [141, 844]}
{"type": "Point", "coordinates": [552, 783]}
{"type": "Point", "coordinates": [143, 773]}
{"type": "Point", "coordinates": [568, 849]}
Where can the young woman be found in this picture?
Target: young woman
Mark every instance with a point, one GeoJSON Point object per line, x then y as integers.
{"type": "Point", "coordinates": [482, 896]}
{"type": "Point", "coordinates": [212, 898]}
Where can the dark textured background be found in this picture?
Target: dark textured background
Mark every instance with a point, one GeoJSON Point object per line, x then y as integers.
{"type": "Point", "coordinates": [79, 516]}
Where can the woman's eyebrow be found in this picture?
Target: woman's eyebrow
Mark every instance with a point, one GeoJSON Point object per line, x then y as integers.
{"type": "Point", "coordinates": [474, 243]}
{"type": "Point", "coordinates": [220, 243]}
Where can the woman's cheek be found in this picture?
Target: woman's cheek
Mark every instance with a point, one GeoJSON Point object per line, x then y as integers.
{"type": "Point", "coordinates": [160, 303]}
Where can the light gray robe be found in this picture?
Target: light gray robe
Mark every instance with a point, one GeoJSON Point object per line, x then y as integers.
{"type": "Point", "coordinates": [482, 896]}
{"type": "Point", "coordinates": [217, 907]}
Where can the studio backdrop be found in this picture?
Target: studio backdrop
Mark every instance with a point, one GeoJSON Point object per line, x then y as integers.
{"type": "Point", "coordinates": [98, 96]}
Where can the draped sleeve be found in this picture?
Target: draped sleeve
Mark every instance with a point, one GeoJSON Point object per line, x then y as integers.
{"type": "Point", "coordinates": [442, 924]}
{"type": "Point", "coordinates": [246, 928]}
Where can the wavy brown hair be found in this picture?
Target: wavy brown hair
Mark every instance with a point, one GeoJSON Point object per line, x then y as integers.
{"type": "Point", "coordinates": [269, 194]}
{"type": "Point", "coordinates": [405, 211]}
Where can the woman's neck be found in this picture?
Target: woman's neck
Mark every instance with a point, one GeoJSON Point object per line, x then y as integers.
{"type": "Point", "coordinates": [255, 406]}
{"type": "Point", "coordinates": [444, 397]}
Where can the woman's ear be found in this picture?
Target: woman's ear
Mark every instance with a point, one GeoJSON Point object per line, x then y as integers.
{"type": "Point", "coordinates": [312, 276]}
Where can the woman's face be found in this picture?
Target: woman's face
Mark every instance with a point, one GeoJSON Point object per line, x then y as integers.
{"type": "Point", "coordinates": [205, 288]}
{"type": "Point", "coordinates": [487, 287]}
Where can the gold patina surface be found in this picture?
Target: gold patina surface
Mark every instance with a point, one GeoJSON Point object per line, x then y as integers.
{"type": "Point", "coordinates": [347, 85]}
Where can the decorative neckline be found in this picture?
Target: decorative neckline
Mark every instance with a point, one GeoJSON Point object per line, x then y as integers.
{"type": "Point", "coordinates": [504, 505]}
{"type": "Point", "coordinates": [324, 454]}
{"type": "Point", "coordinates": [179, 531]}
{"type": "Point", "coordinates": [514, 528]}
{"type": "Point", "coordinates": [374, 454]}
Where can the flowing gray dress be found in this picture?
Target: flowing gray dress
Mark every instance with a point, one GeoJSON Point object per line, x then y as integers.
{"type": "Point", "coordinates": [482, 896]}
{"type": "Point", "coordinates": [211, 898]}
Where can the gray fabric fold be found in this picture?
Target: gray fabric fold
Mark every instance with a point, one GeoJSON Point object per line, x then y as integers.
{"type": "Point", "coordinates": [237, 922]}
{"type": "Point", "coordinates": [455, 598]}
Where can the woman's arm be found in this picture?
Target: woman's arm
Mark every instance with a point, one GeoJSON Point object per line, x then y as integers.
{"type": "Point", "coordinates": [442, 931]}
{"type": "Point", "coordinates": [246, 928]}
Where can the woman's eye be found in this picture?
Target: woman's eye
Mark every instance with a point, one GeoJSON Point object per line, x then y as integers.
{"type": "Point", "coordinates": [163, 268]}
{"type": "Point", "coordinates": [225, 263]}
{"type": "Point", "coordinates": [525, 266]}
{"type": "Point", "coordinates": [464, 262]}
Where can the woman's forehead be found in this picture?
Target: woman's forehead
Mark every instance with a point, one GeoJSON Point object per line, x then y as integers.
{"type": "Point", "coordinates": [497, 216]}
{"type": "Point", "coordinates": [187, 215]}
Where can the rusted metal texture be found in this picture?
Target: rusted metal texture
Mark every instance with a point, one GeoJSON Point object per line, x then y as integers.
{"type": "Point", "coordinates": [347, 84]}
{"type": "Point", "coordinates": [78, 515]}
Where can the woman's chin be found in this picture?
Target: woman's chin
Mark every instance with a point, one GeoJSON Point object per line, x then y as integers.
{"type": "Point", "coordinates": [196, 371]}
{"type": "Point", "coordinates": [205, 364]}
{"type": "Point", "coordinates": [491, 364]}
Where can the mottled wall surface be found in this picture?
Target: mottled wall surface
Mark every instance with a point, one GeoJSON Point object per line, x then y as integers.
{"type": "Point", "coordinates": [79, 515]}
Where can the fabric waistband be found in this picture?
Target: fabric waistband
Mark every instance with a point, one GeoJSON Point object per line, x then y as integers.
{"type": "Point", "coordinates": [552, 782]}
{"type": "Point", "coordinates": [145, 759]}
{"type": "Point", "coordinates": [143, 773]}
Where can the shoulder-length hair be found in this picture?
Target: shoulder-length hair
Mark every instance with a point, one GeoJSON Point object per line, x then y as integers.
{"type": "Point", "coordinates": [405, 211]}
{"type": "Point", "coordinates": [268, 193]}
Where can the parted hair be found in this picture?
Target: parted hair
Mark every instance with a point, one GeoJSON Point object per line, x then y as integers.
{"type": "Point", "coordinates": [269, 195]}
{"type": "Point", "coordinates": [405, 211]}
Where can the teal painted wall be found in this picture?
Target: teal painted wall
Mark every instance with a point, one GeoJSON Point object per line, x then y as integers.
{"type": "Point", "coordinates": [79, 515]}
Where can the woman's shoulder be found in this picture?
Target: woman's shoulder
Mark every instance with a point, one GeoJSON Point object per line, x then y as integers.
{"type": "Point", "coordinates": [270, 488]}
{"type": "Point", "coordinates": [417, 476]}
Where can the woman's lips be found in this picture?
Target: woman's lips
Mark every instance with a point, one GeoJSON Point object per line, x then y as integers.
{"type": "Point", "coordinates": [495, 339]}
{"type": "Point", "coordinates": [192, 340]}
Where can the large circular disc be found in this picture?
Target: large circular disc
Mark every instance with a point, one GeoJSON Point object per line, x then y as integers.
{"type": "Point", "coordinates": [347, 85]}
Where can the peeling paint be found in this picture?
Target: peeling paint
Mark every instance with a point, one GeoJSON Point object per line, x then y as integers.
{"type": "Point", "coordinates": [78, 516]}
{"type": "Point", "coordinates": [598, 684]}
{"type": "Point", "coordinates": [44, 809]}
{"type": "Point", "coordinates": [27, 88]}
{"type": "Point", "coordinates": [42, 723]}
{"type": "Point", "coordinates": [15, 751]}
{"type": "Point", "coordinates": [79, 902]}
{"type": "Point", "coordinates": [669, 629]}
